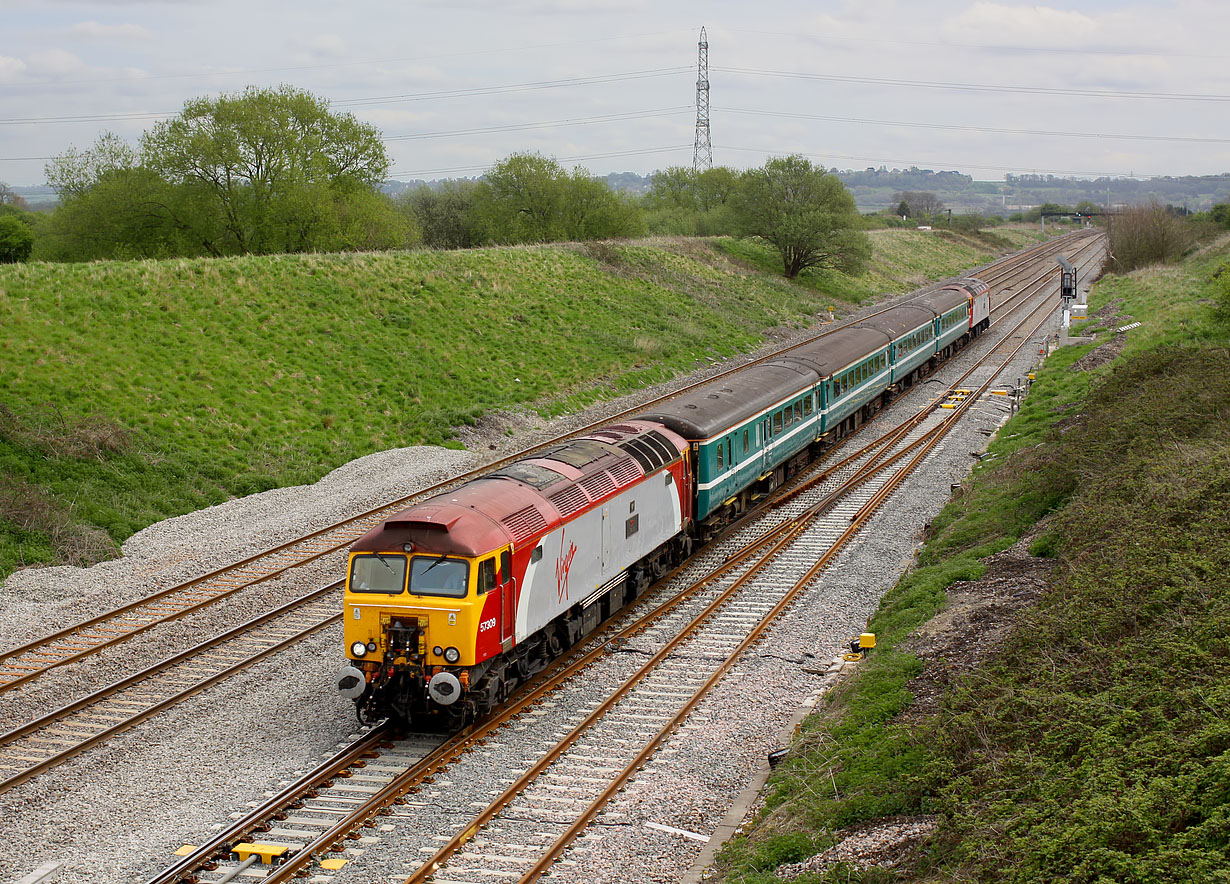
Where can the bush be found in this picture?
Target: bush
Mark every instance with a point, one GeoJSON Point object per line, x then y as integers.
{"type": "Point", "coordinates": [1143, 235]}
{"type": "Point", "coordinates": [16, 240]}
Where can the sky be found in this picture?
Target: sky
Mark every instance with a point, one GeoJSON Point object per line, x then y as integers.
{"type": "Point", "coordinates": [986, 88]}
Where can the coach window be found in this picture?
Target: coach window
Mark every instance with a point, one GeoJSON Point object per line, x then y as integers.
{"type": "Point", "coordinates": [721, 452]}
{"type": "Point", "coordinates": [789, 415]}
{"type": "Point", "coordinates": [730, 452]}
{"type": "Point", "coordinates": [746, 438]}
{"type": "Point", "coordinates": [807, 405]}
{"type": "Point", "coordinates": [798, 411]}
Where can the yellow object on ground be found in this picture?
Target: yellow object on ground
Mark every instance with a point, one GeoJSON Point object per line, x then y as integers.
{"type": "Point", "coordinates": [267, 852]}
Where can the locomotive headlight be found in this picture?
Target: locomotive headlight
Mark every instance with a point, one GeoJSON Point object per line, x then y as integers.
{"type": "Point", "coordinates": [359, 649]}
{"type": "Point", "coordinates": [438, 651]}
{"type": "Point", "coordinates": [452, 655]}
{"type": "Point", "coordinates": [371, 646]}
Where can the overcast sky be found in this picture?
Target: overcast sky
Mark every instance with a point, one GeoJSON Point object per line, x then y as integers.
{"type": "Point", "coordinates": [987, 88]}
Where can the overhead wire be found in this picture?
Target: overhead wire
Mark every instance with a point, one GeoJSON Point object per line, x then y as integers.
{"type": "Point", "coordinates": [963, 127]}
{"type": "Point", "coordinates": [976, 87]}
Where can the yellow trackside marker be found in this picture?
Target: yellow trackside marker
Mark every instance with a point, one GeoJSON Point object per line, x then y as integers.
{"type": "Point", "coordinates": [267, 852]}
{"type": "Point", "coordinates": [947, 405]}
{"type": "Point", "coordinates": [333, 864]}
{"type": "Point", "coordinates": [1001, 392]}
{"type": "Point", "coordinates": [185, 850]}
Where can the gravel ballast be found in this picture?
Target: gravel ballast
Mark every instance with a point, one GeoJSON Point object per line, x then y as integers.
{"type": "Point", "coordinates": [117, 813]}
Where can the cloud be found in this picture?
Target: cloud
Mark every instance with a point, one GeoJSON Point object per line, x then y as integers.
{"type": "Point", "coordinates": [11, 69]}
{"type": "Point", "coordinates": [1028, 25]}
{"type": "Point", "coordinates": [326, 46]}
{"type": "Point", "coordinates": [92, 30]}
{"type": "Point", "coordinates": [56, 64]}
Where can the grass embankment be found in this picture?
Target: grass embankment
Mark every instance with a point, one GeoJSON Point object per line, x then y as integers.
{"type": "Point", "coordinates": [902, 260]}
{"type": "Point", "coordinates": [1095, 744]}
{"type": "Point", "coordinates": [134, 391]}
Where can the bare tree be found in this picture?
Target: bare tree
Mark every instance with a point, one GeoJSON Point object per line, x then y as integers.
{"type": "Point", "coordinates": [8, 197]}
{"type": "Point", "coordinates": [919, 202]}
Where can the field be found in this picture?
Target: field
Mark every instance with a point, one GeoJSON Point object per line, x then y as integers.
{"type": "Point", "coordinates": [1092, 744]}
{"type": "Point", "coordinates": [134, 391]}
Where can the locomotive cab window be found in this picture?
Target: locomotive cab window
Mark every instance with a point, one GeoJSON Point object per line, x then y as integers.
{"type": "Point", "coordinates": [439, 575]}
{"type": "Point", "coordinates": [382, 572]}
{"type": "Point", "coordinates": [486, 576]}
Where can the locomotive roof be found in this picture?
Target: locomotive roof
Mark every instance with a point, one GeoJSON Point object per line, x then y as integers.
{"type": "Point", "coordinates": [835, 351]}
{"type": "Point", "coordinates": [526, 498]}
{"type": "Point", "coordinates": [727, 402]}
{"type": "Point", "coordinates": [943, 300]}
{"type": "Point", "coordinates": [900, 320]}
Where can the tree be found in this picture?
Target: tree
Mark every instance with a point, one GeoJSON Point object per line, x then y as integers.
{"type": "Point", "coordinates": [593, 211]}
{"type": "Point", "coordinates": [807, 215]}
{"type": "Point", "coordinates": [74, 172]}
{"type": "Point", "coordinates": [903, 209]}
{"type": "Point", "coordinates": [113, 207]}
{"type": "Point", "coordinates": [276, 166]}
{"type": "Point", "coordinates": [521, 200]}
{"type": "Point", "coordinates": [684, 201]}
{"type": "Point", "coordinates": [9, 197]}
{"type": "Point", "coordinates": [919, 202]}
{"type": "Point", "coordinates": [445, 214]}
{"type": "Point", "coordinates": [16, 240]}
{"type": "Point", "coordinates": [531, 198]}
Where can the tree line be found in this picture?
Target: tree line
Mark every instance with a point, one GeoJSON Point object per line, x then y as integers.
{"type": "Point", "coordinates": [267, 171]}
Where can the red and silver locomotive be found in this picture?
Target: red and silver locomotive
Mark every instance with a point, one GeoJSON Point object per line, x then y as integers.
{"type": "Point", "coordinates": [454, 601]}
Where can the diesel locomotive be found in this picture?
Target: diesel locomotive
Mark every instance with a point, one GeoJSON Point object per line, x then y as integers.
{"type": "Point", "coordinates": [454, 601]}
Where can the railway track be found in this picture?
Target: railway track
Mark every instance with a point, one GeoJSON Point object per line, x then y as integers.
{"type": "Point", "coordinates": [73, 728]}
{"type": "Point", "coordinates": [23, 664]}
{"type": "Point", "coordinates": [65, 732]}
{"type": "Point", "coordinates": [748, 578]}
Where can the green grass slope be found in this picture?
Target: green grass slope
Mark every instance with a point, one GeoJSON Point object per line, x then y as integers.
{"type": "Point", "coordinates": [134, 391]}
{"type": "Point", "coordinates": [1094, 746]}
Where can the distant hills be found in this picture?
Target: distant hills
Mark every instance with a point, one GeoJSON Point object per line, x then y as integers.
{"type": "Point", "coordinates": [873, 190]}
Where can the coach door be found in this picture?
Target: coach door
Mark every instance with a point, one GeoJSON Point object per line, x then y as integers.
{"type": "Point", "coordinates": [508, 605]}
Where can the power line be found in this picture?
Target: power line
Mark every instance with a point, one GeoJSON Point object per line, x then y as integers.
{"type": "Point", "coordinates": [966, 128]}
{"type": "Point", "coordinates": [987, 47]}
{"type": "Point", "coordinates": [980, 87]}
{"type": "Point", "coordinates": [546, 124]}
{"type": "Point", "coordinates": [515, 87]}
{"type": "Point", "coordinates": [342, 64]}
{"type": "Point", "coordinates": [419, 173]}
{"type": "Point", "coordinates": [385, 99]}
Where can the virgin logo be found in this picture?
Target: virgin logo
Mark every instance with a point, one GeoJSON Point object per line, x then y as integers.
{"type": "Point", "coordinates": [562, 566]}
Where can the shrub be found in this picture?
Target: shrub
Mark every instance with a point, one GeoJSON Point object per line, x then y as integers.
{"type": "Point", "coordinates": [1143, 235]}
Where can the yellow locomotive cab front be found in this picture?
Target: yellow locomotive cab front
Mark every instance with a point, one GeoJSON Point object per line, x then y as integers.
{"type": "Point", "coordinates": [410, 626]}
